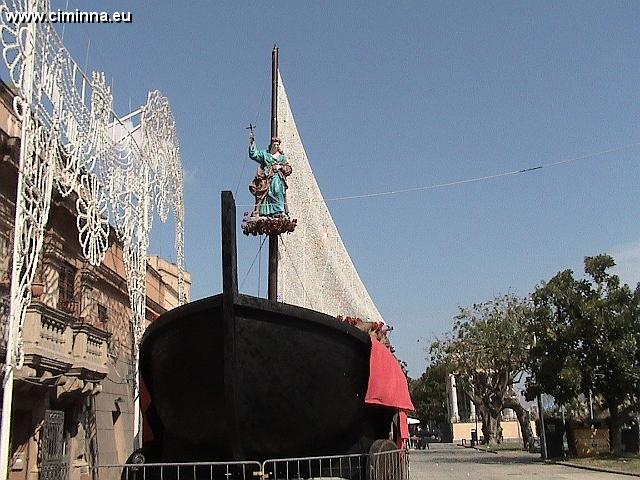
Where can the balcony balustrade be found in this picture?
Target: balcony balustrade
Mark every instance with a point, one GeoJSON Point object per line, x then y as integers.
{"type": "Point", "coordinates": [58, 345]}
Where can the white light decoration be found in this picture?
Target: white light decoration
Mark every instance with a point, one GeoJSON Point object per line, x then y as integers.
{"type": "Point", "coordinates": [119, 174]}
{"type": "Point", "coordinates": [315, 270]}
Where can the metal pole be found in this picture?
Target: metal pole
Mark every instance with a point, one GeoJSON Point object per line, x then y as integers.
{"type": "Point", "coordinates": [543, 436]}
{"type": "Point", "coordinates": [274, 92]}
{"type": "Point", "coordinates": [273, 239]}
{"type": "Point", "coordinates": [17, 262]}
{"type": "Point", "coordinates": [477, 436]}
{"type": "Point", "coordinates": [137, 399]}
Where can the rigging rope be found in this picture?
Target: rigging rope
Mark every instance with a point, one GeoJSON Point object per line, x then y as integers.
{"type": "Point", "coordinates": [253, 262]}
{"type": "Point", "coordinates": [260, 265]}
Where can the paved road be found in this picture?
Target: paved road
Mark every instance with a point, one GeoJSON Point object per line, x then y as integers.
{"type": "Point", "coordinates": [450, 462]}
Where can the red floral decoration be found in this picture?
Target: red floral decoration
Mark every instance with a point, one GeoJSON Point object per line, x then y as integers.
{"type": "Point", "coordinates": [267, 225]}
{"type": "Point", "coordinates": [378, 330]}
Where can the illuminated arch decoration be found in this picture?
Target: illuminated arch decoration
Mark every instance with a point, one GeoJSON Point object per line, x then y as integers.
{"type": "Point", "coordinates": [119, 173]}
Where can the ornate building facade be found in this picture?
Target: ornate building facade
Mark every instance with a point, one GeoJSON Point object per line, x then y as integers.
{"type": "Point", "coordinates": [73, 401]}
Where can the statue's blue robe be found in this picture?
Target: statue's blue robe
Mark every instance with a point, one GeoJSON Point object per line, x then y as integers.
{"type": "Point", "coordinates": [274, 202]}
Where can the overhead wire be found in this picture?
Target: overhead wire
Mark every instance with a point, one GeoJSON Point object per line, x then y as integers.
{"type": "Point", "coordinates": [473, 179]}
{"type": "Point", "coordinates": [487, 177]}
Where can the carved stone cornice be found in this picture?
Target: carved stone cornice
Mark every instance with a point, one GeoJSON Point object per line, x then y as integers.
{"type": "Point", "coordinates": [88, 277]}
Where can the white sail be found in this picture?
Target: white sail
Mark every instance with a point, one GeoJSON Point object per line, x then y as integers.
{"type": "Point", "coordinates": [315, 270]}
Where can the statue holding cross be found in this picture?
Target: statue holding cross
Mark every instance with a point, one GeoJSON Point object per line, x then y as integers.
{"type": "Point", "coordinates": [269, 185]}
{"type": "Point", "coordinates": [270, 215]}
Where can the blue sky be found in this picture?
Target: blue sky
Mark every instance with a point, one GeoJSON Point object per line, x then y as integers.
{"type": "Point", "coordinates": [394, 95]}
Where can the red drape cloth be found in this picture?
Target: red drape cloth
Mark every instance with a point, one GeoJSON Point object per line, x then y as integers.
{"type": "Point", "coordinates": [387, 383]}
{"type": "Point", "coordinates": [403, 438]}
{"type": "Point", "coordinates": [404, 425]}
{"type": "Point", "coordinates": [145, 402]}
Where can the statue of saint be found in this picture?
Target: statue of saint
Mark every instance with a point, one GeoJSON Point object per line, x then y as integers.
{"type": "Point", "coordinates": [269, 185]}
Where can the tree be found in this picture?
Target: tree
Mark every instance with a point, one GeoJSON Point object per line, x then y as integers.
{"type": "Point", "coordinates": [429, 396]}
{"type": "Point", "coordinates": [487, 351]}
{"type": "Point", "coordinates": [588, 339]}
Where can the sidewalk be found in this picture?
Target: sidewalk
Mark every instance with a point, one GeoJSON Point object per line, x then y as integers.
{"type": "Point", "coordinates": [622, 466]}
{"type": "Point", "coordinates": [619, 466]}
{"type": "Point", "coordinates": [451, 462]}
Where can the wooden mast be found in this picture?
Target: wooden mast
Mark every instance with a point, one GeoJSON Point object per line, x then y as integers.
{"type": "Point", "coordinates": [273, 239]}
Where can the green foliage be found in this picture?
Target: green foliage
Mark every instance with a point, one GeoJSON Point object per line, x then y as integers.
{"type": "Point", "coordinates": [429, 396]}
{"type": "Point", "coordinates": [487, 349]}
{"type": "Point", "coordinates": [587, 338]}
{"type": "Point", "coordinates": [577, 410]}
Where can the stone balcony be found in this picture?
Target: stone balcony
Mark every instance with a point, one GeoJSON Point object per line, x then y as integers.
{"type": "Point", "coordinates": [61, 350]}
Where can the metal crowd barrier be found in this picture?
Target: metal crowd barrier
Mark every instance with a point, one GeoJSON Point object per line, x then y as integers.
{"type": "Point", "coordinates": [352, 467]}
{"type": "Point", "coordinates": [389, 465]}
{"type": "Point", "coordinates": [180, 471]}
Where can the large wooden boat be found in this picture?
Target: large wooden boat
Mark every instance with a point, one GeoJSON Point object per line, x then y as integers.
{"type": "Point", "coordinates": [235, 377]}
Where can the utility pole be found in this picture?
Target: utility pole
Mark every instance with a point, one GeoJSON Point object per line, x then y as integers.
{"type": "Point", "coordinates": [273, 239]}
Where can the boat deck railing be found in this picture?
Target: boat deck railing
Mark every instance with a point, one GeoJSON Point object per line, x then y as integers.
{"type": "Point", "coordinates": [388, 465]}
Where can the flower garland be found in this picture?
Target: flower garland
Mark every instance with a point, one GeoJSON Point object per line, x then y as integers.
{"type": "Point", "coordinates": [267, 225]}
{"type": "Point", "coordinates": [377, 330]}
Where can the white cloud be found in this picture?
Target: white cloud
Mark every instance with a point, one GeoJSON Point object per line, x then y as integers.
{"type": "Point", "coordinates": [627, 258]}
{"type": "Point", "coordinates": [190, 175]}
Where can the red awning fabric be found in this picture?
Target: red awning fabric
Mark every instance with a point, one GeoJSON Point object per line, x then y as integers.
{"type": "Point", "coordinates": [387, 383]}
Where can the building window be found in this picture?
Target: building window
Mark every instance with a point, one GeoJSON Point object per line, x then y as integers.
{"type": "Point", "coordinates": [66, 296]}
{"type": "Point", "coordinates": [103, 314]}
{"type": "Point", "coordinates": [4, 244]}
{"type": "Point", "coordinates": [5, 258]}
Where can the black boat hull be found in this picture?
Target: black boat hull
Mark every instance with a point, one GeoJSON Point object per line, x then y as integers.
{"type": "Point", "coordinates": [233, 377]}
{"type": "Point", "coordinates": [266, 380]}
